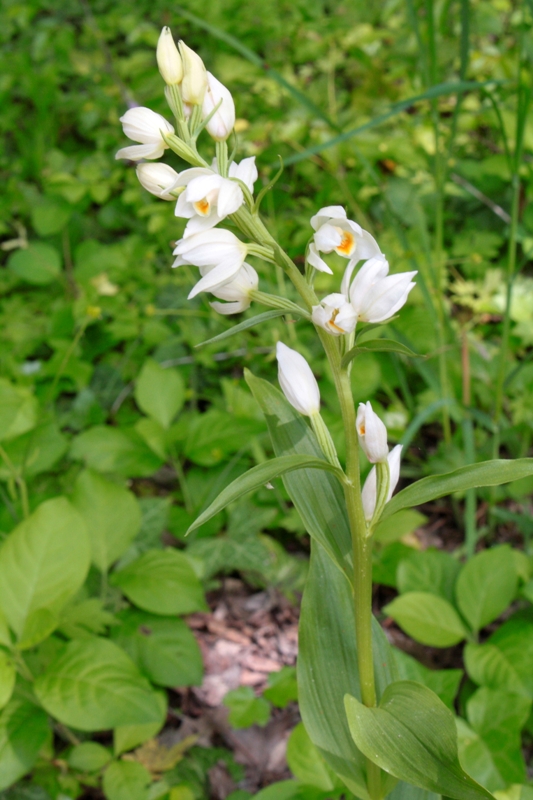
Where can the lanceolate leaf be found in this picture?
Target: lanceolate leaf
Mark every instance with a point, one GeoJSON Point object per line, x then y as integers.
{"type": "Point", "coordinates": [413, 736]}
{"type": "Point", "coordinates": [486, 473]}
{"type": "Point", "coordinates": [257, 477]}
{"type": "Point", "coordinates": [327, 668]}
{"type": "Point", "coordinates": [379, 346]}
{"type": "Point", "coordinates": [243, 326]}
{"type": "Point", "coordinates": [318, 497]}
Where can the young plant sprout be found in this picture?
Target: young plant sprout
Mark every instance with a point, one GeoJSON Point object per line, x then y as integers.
{"type": "Point", "coordinates": [373, 730]}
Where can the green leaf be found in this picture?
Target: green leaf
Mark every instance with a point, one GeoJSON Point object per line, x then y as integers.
{"type": "Point", "coordinates": [39, 264]}
{"type": "Point", "coordinates": [43, 562]}
{"type": "Point", "coordinates": [244, 326]}
{"type": "Point", "coordinates": [412, 735]}
{"type": "Point", "coordinates": [35, 451]}
{"type": "Point", "coordinates": [486, 473]}
{"type": "Point", "coordinates": [504, 661]}
{"type": "Point", "coordinates": [85, 618]}
{"type": "Point", "coordinates": [49, 216]}
{"type": "Point", "coordinates": [486, 586]}
{"type": "Point", "coordinates": [23, 731]}
{"type": "Point", "coordinates": [317, 495]}
{"type": "Point", "coordinates": [444, 682]}
{"type": "Point", "coordinates": [93, 685]}
{"type": "Point", "coordinates": [212, 436]}
{"type": "Point", "coordinates": [154, 435]}
{"type": "Point", "coordinates": [18, 410]}
{"type": "Point", "coordinates": [282, 687]}
{"type": "Point", "coordinates": [163, 582]}
{"type": "Point", "coordinates": [327, 668]}
{"type": "Point", "coordinates": [245, 708]}
{"type": "Point", "coordinates": [476, 757]}
{"type": "Point", "coordinates": [433, 571]}
{"type": "Point", "coordinates": [306, 763]}
{"type": "Point", "coordinates": [164, 650]}
{"type": "Point", "coordinates": [427, 618]}
{"type": "Point", "coordinates": [107, 449]}
{"type": "Point", "coordinates": [399, 525]}
{"type": "Point", "coordinates": [88, 757]}
{"type": "Point", "coordinates": [126, 737]}
{"type": "Point", "coordinates": [378, 346]}
{"type": "Point", "coordinates": [112, 516]}
{"type": "Point", "coordinates": [159, 392]}
{"type": "Point", "coordinates": [8, 674]}
{"type": "Point", "coordinates": [38, 626]}
{"type": "Point", "coordinates": [257, 477]}
{"type": "Point", "coordinates": [126, 780]}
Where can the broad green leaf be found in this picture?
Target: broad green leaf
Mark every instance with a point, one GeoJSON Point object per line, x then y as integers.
{"type": "Point", "coordinates": [433, 571]}
{"type": "Point", "coordinates": [164, 649]}
{"type": "Point", "coordinates": [244, 326]}
{"type": "Point", "coordinates": [476, 757]}
{"type": "Point", "coordinates": [39, 624]}
{"type": "Point", "coordinates": [23, 731]}
{"type": "Point", "coordinates": [327, 668]}
{"type": "Point", "coordinates": [379, 346]}
{"type": "Point", "coordinates": [317, 495]}
{"type": "Point", "coordinates": [126, 737]}
{"type": "Point", "coordinates": [18, 410]}
{"type": "Point", "coordinates": [282, 687]}
{"type": "Point", "coordinates": [107, 449]}
{"type": "Point", "coordinates": [444, 682]}
{"type": "Point", "coordinates": [154, 435]}
{"type": "Point", "coordinates": [399, 525]}
{"type": "Point", "coordinates": [245, 708]}
{"type": "Point", "coordinates": [49, 215]}
{"type": "Point", "coordinates": [486, 586]}
{"type": "Point", "coordinates": [35, 451]}
{"type": "Point", "coordinates": [8, 674]}
{"type": "Point", "coordinates": [88, 757]}
{"type": "Point", "coordinates": [283, 790]}
{"type": "Point", "coordinates": [412, 735]}
{"type": "Point", "coordinates": [111, 513]}
{"type": "Point", "coordinates": [163, 582]}
{"type": "Point", "coordinates": [406, 791]}
{"type": "Point", "coordinates": [486, 473]}
{"type": "Point", "coordinates": [5, 636]}
{"type": "Point", "coordinates": [212, 436]}
{"type": "Point", "coordinates": [43, 562]}
{"type": "Point", "coordinates": [88, 617]}
{"type": "Point", "coordinates": [504, 661]}
{"type": "Point", "coordinates": [39, 264]}
{"type": "Point", "coordinates": [258, 476]}
{"type": "Point", "coordinates": [225, 554]}
{"type": "Point", "coordinates": [159, 392]}
{"type": "Point", "coordinates": [306, 763]}
{"type": "Point", "coordinates": [126, 780]}
{"type": "Point", "coordinates": [93, 685]}
{"type": "Point", "coordinates": [428, 618]}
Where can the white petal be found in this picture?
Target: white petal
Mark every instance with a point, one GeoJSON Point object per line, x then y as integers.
{"type": "Point", "coordinates": [394, 459]}
{"type": "Point", "coordinates": [246, 171]}
{"type": "Point", "coordinates": [317, 262]}
{"type": "Point", "coordinates": [328, 212]}
{"type": "Point", "coordinates": [189, 175]}
{"type": "Point", "coordinates": [327, 238]}
{"type": "Point", "coordinates": [372, 433]}
{"type": "Point", "coordinates": [230, 308]}
{"type": "Point", "coordinates": [297, 380]}
{"type": "Point", "coordinates": [183, 208]}
{"type": "Point", "coordinates": [230, 198]}
{"type": "Point", "coordinates": [144, 125]}
{"type": "Point", "coordinates": [198, 224]}
{"type": "Point", "coordinates": [136, 152]}
{"type": "Point", "coordinates": [198, 188]}
{"type": "Point", "coordinates": [372, 272]}
{"type": "Point", "coordinates": [221, 274]}
{"type": "Point", "coordinates": [386, 297]}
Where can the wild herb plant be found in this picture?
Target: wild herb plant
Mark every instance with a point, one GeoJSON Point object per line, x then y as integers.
{"type": "Point", "coordinates": [381, 736]}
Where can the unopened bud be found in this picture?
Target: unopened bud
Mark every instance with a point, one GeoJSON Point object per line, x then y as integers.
{"type": "Point", "coordinates": [297, 381]}
{"type": "Point", "coordinates": [372, 433]}
{"type": "Point", "coordinates": [223, 120]}
{"type": "Point", "coordinates": [169, 59]}
{"type": "Point", "coordinates": [194, 82]}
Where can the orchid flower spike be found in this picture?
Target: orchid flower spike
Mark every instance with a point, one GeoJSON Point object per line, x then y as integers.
{"type": "Point", "coordinates": [237, 291]}
{"type": "Point", "coordinates": [158, 179]}
{"type": "Point", "coordinates": [374, 294]}
{"type": "Point", "coordinates": [369, 493]}
{"type": "Point", "coordinates": [372, 433]}
{"type": "Point", "coordinates": [145, 126]}
{"type": "Point", "coordinates": [297, 381]}
{"type": "Point", "coordinates": [333, 231]}
{"type": "Point", "coordinates": [335, 314]}
{"type": "Point", "coordinates": [223, 120]}
{"type": "Point", "coordinates": [169, 59]}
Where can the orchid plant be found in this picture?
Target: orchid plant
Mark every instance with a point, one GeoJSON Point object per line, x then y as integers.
{"type": "Point", "coordinates": [382, 737]}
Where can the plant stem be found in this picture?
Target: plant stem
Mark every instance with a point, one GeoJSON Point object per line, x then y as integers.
{"type": "Point", "coordinates": [469, 451]}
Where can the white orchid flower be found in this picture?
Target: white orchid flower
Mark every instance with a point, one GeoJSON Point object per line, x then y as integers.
{"type": "Point", "coordinates": [209, 197]}
{"type": "Point", "coordinates": [374, 294]}
{"type": "Point", "coordinates": [314, 259]}
{"type": "Point", "coordinates": [223, 120]}
{"type": "Point", "coordinates": [145, 126]}
{"type": "Point", "coordinates": [297, 381]}
{"type": "Point", "coordinates": [335, 314]}
{"type": "Point", "coordinates": [369, 493]}
{"type": "Point", "coordinates": [194, 83]}
{"type": "Point", "coordinates": [219, 249]}
{"type": "Point", "coordinates": [333, 231]}
{"type": "Point", "coordinates": [372, 433]}
{"type": "Point", "coordinates": [168, 58]}
{"type": "Point", "coordinates": [158, 179]}
{"type": "Point", "coordinates": [237, 291]}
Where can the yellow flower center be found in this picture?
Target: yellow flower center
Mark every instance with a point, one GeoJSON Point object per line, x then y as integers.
{"type": "Point", "coordinates": [332, 321]}
{"type": "Point", "coordinates": [202, 207]}
{"type": "Point", "coordinates": [347, 245]}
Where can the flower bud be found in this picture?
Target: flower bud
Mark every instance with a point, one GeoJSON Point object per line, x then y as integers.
{"type": "Point", "coordinates": [169, 59]}
{"type": "Point", "coordinates": [372, 433]}
{"type": "Point", "coordinates": [335, 314]}
{"type": "Point", "coordinates": [221, 123]}
{"type": "Point", "coordinates": [145, 126]}
{"type": "Point", "coordinates": [237, 291]}
{"type": "Point", "coordinates": [158, 179]}
{"type": "Point", "coordinates": [369, 493]}
{"type": "Point", "coordinates": [194, 82]}
{"type": "Point", "coordinates": [297, 381]}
